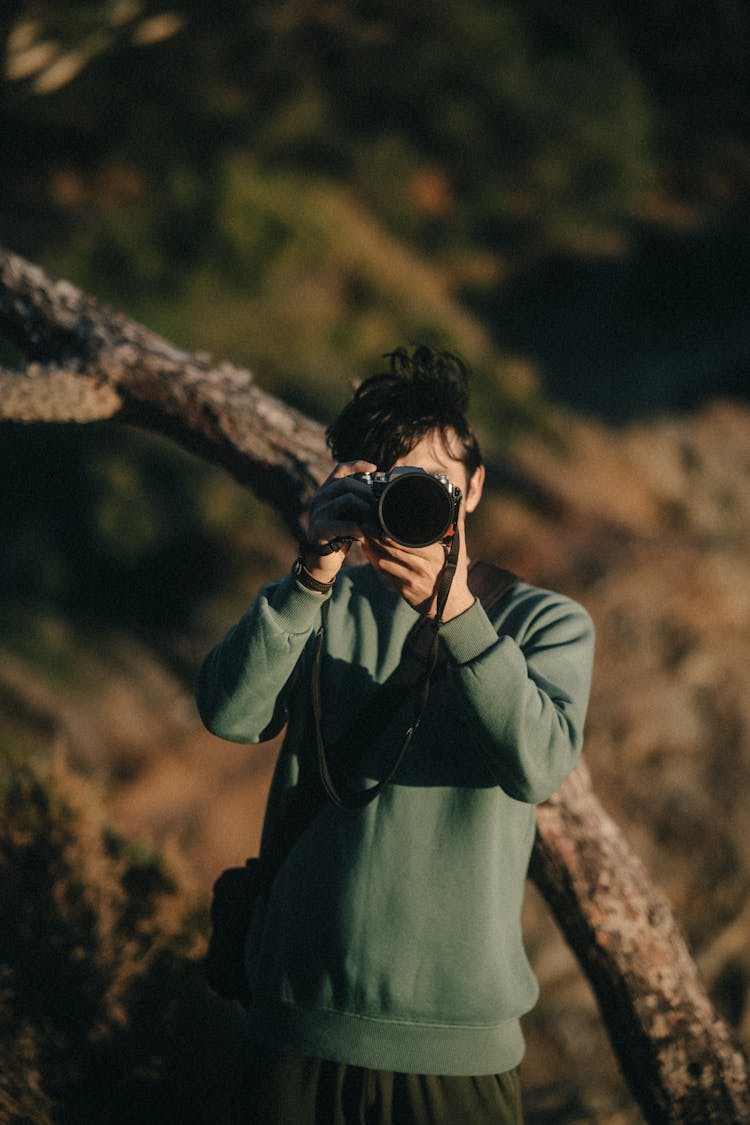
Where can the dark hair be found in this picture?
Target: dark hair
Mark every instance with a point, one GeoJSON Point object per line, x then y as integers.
{"type": "Point", "coordinates": [423, 390]}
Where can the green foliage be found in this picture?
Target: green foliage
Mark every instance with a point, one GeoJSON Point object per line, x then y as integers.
{"type": "Point", "coordinates": [536, 116]}
{"type": "Point", "coordinates": [512, 124]}
{"type": "Point", "coordinates": [298, 281]}
{"type": "Point", "coordinates": [100, 994]}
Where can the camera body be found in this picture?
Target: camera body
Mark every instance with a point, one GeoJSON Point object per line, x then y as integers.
{"type": "Point", "coordinates": [411, 506]}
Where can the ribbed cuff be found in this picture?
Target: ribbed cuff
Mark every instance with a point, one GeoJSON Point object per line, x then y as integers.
{"type": "Point", "coordinates": [469, 635]}
{"type": "Point", "coordinates": [295, 608]}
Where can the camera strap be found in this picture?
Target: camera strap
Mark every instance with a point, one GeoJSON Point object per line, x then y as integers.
{"type": "Point", "coordinates": [412, 675]}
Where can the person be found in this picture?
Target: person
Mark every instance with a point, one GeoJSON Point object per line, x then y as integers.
{"type": "Point", "coordinates": [385, 960]}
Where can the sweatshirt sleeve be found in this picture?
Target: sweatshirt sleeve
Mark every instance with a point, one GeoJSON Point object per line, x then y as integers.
{"type": "Point", "coordinates": [526, 685]}
{"type": "Point", "coordinates": [243, 683]}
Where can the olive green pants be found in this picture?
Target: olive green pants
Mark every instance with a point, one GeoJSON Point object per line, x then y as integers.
{"type": "Point", "coordinates": [273, 1088]}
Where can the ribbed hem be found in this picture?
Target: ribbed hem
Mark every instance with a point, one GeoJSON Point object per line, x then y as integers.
{"type": "Point", "coordinates": [403, 1046]}
{"type": "Point", "coordinates": [469, 635]}
{"type": "Point", "coordinates": [295, 607]}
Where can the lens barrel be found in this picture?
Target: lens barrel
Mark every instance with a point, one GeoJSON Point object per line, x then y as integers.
{"type": "Point", "coordinates": [416, 508]}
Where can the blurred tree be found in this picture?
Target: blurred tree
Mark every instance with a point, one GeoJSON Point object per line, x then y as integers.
{"type": "Point", "coordinates": [481, 121]}
{"type": "Point", "coordinates": [514, 125]}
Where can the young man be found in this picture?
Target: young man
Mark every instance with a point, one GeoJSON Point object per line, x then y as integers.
{"type": "Point", "coordinates": [385, 960]}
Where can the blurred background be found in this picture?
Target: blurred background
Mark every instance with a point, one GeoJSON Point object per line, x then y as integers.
{"type": "Point", "coordinates": [559, 193]}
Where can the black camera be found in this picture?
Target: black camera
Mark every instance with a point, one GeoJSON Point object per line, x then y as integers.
{"type": "Point", "coordinates": [412, 506]}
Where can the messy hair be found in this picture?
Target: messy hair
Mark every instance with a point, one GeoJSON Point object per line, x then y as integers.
{"type": "Point", "coordinates": [422, 391]}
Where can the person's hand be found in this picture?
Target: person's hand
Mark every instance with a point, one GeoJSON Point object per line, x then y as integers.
{"type": "Point", "coordinates": [337, 511]}
{"type": "Point", "coordinates": [415, 572]}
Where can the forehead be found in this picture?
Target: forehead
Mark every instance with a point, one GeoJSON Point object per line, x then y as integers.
{"type": "Point", "coordinates": [436, 451]}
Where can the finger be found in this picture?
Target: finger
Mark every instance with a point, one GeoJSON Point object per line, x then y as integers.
{"type": "Point", "coordinates": [410, 565]}
{"type": "Point", "coordinates": [337, 504]}
{"type": "Point", "coordinates": [421, 559]}
{"type": "Point", "coordinates": [346, 486]}
{"type": "Point", "coordinates": [418, 590]}
{"type": "Point", "coordinates": [349, 468]}
{"type": "Point", "coordinates": [340, 498]}
{"type": "Point", "coordinates": [375, 559]}
{"type": "Point", "coordinates": [345, 511]}
{"type": "Point", "coordinates": [339, 518]}
{"type": "Point", "coordinates": [336, 529]}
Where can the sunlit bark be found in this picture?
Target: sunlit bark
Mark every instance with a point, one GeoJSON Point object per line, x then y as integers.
{"type": "Point", "coordinates": [677, 1055]}
{"type": "Point", "coordinates": [87, 363]}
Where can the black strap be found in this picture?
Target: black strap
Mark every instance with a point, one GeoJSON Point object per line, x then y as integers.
{"type": "Point", "coordinates": [488, 583]}
{"type": "Point", "coordinates": [355, 799]}
{"type": "Point", "coordinates": [415, 670]}
{"type": "Point", "coordinates": [387, 699]}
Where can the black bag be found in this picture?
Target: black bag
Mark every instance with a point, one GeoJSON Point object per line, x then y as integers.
{"type": "Point", "coordinates": [233, 898]}
{"type": "Point", "coordinates": [238, 889]}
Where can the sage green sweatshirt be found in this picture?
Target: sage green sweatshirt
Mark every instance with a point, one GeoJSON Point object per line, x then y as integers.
{"type": "Point", "coordinates": [391, 936]}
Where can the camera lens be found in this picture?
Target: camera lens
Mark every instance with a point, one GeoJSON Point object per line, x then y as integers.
{"type": "Point", "coordinates": [415, 509]}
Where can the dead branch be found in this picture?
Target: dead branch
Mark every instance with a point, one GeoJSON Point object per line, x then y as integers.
{"type": "Point", "coordinates": [88, 363]}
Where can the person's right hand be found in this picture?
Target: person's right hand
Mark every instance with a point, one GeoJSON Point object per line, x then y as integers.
{"type": "Point", "coordinates": [338, 509]}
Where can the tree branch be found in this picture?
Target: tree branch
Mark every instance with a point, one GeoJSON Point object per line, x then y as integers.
{"type": "Point", "coordinates": [55, 394]}
{"type": "Point", "coordinates": [677, 1055]}
{"type": "Point", "coordinates": [87, 362]}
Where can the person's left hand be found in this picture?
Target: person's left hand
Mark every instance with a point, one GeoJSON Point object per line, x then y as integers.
{"type": "Point", "coordinates": [414, 572]}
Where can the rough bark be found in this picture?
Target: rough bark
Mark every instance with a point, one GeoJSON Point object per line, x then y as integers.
{"type": "Point", "coordinates": [677, 1054]}
{"type": "Point", "coordinates": [86, 363]}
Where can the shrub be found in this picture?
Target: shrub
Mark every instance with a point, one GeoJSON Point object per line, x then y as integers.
{"type": "Point", "coordinates": [104, 1016]}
